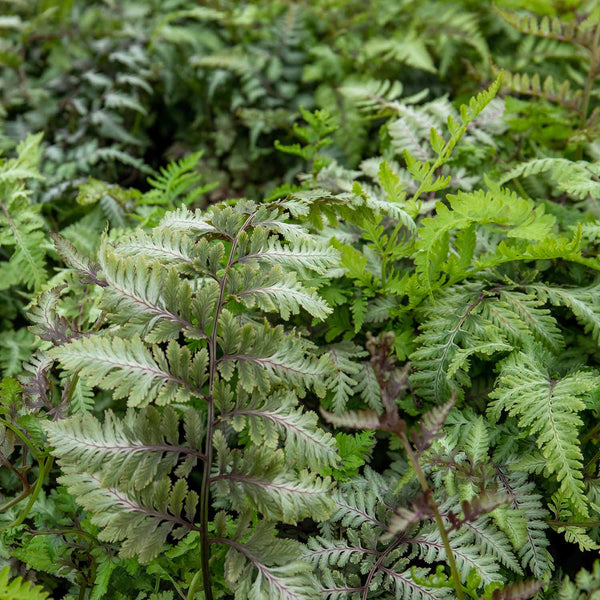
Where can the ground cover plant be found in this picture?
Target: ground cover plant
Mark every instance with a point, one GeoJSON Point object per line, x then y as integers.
{"type": "Point", "coordinates": [299, 300]}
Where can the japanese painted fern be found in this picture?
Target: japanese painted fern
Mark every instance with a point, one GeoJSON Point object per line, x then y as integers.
{"type": "Point", "coordinates": [214, 447]}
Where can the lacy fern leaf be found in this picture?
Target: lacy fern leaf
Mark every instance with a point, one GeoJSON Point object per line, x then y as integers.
{"type": "Point", "coordinates": [548, 408]}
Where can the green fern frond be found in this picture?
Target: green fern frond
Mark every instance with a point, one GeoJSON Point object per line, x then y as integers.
{"type": "Point", "coordinates": [17, 589]}
{"type": "Point", "coordinates": [409, 50]}
{"type": "Point", "coordinates": [523, 317]}
{"type": "Point", "coordinates": [552, 27]}
{"type": "Point", "coordinates": [548, 408]}
{"type": "Point", "coordinates": [17, 347]}
{"type": "Point", "coordinates": [179, 181]}
{"type": "Point", "coordinates": [184, 220]}
{"type": "Point", "coordinates": [579, 179]}
{"type": "Point", "coordinates": [21, 225]}
{"type": "Point", "coordinates": [502, 209]}
{"type": "Point", "coordinates": [372, 96]}
{"type": "Point", "coordinates": [582, 302]}
{"type": "Point", "coordinates": [525, 525]}
{"type": "Point", "coordinates": [550, 89]}
{"type": "Point", "coordinates": [448, 338]}
{"type": "Point", "coordinates": [586, 584]}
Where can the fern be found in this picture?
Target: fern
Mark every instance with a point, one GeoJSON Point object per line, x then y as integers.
{"type": "Point", "coordinates": [578, 179]}
{"type": "Point", "coordinates": [580, 301]}
{"type": "Point", "coordinates": [239, 376]}
{"type": "Point", "coordinates": [140, 520]}
{"type": "Point", "coordinates": [133, 451]}
{"type": "Point", "coordinates": [586, 584]}
{"type": "Point", "coordinates": [178, 182]}
{"type": "Point", "coordinates": [20, 222]}
{"type": "Point", "coordinates": [548, 408]}
{"type": "Point", "coordinates": [132, 370]}
{"type": "Point", "coordinates": [17, 589]}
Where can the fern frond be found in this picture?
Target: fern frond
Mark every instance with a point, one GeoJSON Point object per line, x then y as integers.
{"type": "Point", "coordinates": [147, 299]}
{"type": "Point", "coordinates": [17, 347]}
{"type": "Point", "coordinates": [47, 323]}
{"type": "Point", "coordinates": [523, 317]}
{"type": "Point", "coordinates": [586, 584]}
{"type": "Point", "coordinates": [345, 369]}
{"type": "Point", "coordinates": [268, 567]}
{"type": "Point", "coordinates": [265, 357]}
{"type": "Point", "coordinates": [410, 50]}
{"type": "Point", "coordinates": [184, 220]}
{"type": "Point", "coordinates": [179, 180]}
{"type": "Point", "coordinates": [325, 553]}
{"type": "Point", "coordinates": [552, 27]}
{"type": "Point", "coordinates": [141, 521]}
{"type": "Point", "coordinates": [582, 302]}
{"type": "Point", "coordinates": [579, 179]}
{"type": "Point", "coordinates": [372, 96]}
{"type": "Point", "coordinates": [82, 398]}
{"type": "Point", "coordinates": [27, 263]}
{"type": "Point", "coordinates": [257, 476]}
{"type": "Point", "coordinates": [83, 266]}
{"type": "Point", "coordinates": [404, 585]}
{"type": "Point", "coordinates": [449, 338]}
{"type": "Point", "coordinates": [299, 255]}
{"type": "Point", "coordinates": [275, 291]}
{"type": "Point", "coordinates": [548, 409]}
{"type": "Point", "coordinates": [161, 244]}
{"type": "Point", "coordinates": [482, 534]}
{"type": "Point", "coordinates": [129, 369]}
{"type": "Point", "coordinates": [368, 388]}
{"type": "Point", "coordinates": [502, 209]}
{"type": "Point", "coordinates": [528, 536]}
{"type": "Point", "coordinates": [357, 504]}
{"type": "Point", "coordinates": [550, 89]}
{"type": "Point", "coordinates": [35, 381]}
{"type": "Point", "coordinates": [17, 589]}
{"type": "Point", "coordinates": [128, 453]}
{"type": "Point", "coordinates": [467, 556]}
{"type": "Point", "coordinates": [305, 443]}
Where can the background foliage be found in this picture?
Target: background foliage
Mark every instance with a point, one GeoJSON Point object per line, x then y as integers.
{"type": "Point", "coordinates": [300, 294]}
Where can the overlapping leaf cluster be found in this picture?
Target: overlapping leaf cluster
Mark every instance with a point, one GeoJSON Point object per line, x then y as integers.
{"type": "Point", "coordinates": [414, 265]}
